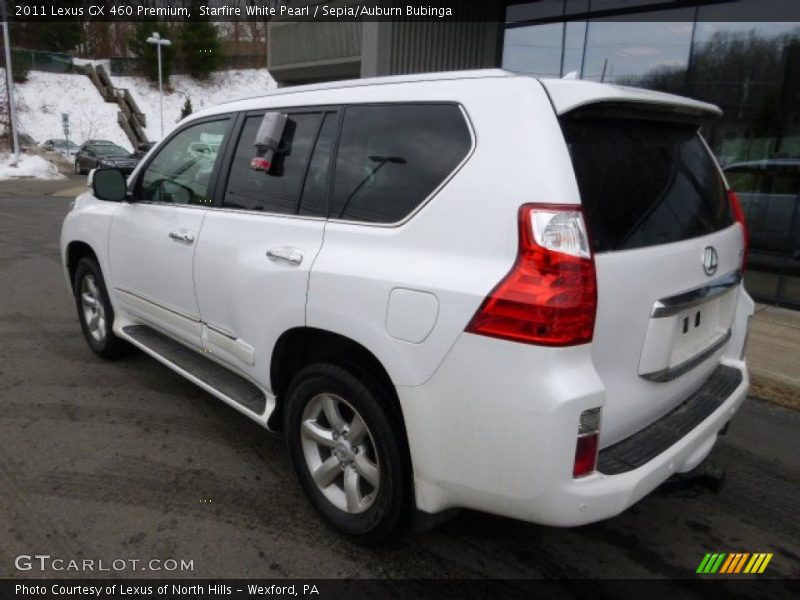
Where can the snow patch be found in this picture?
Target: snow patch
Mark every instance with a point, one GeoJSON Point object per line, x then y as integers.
{"type": "Point", "coordinates": [28, 166]}
{"type": "Point", "coordinates": [44, 96]}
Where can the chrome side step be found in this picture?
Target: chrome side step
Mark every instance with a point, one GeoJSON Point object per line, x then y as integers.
{"type": "Point", "coordinates": [228, 385]}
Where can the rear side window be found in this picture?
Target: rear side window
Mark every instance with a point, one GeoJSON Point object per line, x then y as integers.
{"type": "Point", "coordinates": [278, 191]}
{"type": "Point", "coordinates": [392, 157]}
{"type": "Point", "coordinates": [645, 183]}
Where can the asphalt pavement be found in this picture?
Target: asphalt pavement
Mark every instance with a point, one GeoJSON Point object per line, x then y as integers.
{"type": "Point", "coordinates": [125, 459]}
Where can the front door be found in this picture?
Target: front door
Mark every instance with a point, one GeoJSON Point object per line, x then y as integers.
{"type": "Point", "coordinates": [153, 237]}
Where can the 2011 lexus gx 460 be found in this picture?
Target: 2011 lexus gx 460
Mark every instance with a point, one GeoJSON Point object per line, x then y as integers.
{"type": "Point", "coordinates": [470, 289]}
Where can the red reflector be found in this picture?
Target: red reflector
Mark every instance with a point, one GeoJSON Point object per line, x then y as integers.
{"type": "Point", "coordinates": [585, 455]}
{"type": "Point", "coordinates": [260, 164]}
{"type": "Point", "coordinates": [738, 215]}
{"type": "Point", "coordinates": [549, 297]}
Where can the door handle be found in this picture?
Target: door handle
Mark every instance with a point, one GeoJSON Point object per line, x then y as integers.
{"type": "Point", "coordinates": [183, 237]}
{"type": "Point", "coordinates": [289, 255]}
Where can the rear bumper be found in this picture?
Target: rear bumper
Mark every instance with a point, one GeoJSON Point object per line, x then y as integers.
{"type": "Point", "coordinates": [525, 472]}
{"type": "Point", "coordinates": [495, 430]}
{"type": "Point", "coordinates": [601, 496]}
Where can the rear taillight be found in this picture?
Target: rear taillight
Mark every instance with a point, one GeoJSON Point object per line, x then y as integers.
{"type": "Point", "coordinates": [586, 447]}
{"type": "Point", "coordinates": [738, 215]}
{"type": "Point", "coordinates": [550, 295]}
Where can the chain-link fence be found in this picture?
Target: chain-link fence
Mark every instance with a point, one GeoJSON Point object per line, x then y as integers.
{"type": "Point", "coordinates": [122, 65]}
{"type": "Point", "coordinates": [36, 60]}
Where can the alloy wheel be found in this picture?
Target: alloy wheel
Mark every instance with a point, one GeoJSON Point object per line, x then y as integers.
{"type": "Point", "coordinates": [340, 453]}
{"type": "Point", "coordinates": [94, 313]}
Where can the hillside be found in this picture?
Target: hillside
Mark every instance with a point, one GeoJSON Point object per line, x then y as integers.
{"type": "Point", "coordinates": [222, 87]}
{"type": "Point", "coordinates": [43, 98]}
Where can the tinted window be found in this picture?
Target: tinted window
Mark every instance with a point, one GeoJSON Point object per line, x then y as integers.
{"type": "Point", "coordinates": [391, 158]}
{"type": "Point", "coordinates": [765, 178]}
{"type": "Point", "coordinates": [278, 190]}
{"type": "Point", "coordinates": [181, 171]}
{"type": "Point", "coordinates": [315, 190]}
{"type": "Point", "coordinates": [645, 183]}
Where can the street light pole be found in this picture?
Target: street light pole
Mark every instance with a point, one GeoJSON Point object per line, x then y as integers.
{"type": "Point", "coordinates": [12, 109]}
{"type": "Point", "coordinates": [159, 41]}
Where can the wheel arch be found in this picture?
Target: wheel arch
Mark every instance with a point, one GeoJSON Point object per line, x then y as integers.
{"type": "Point", "coordinates": [299, 347]}
{"type": "Point", "coordinates": [75, 251]}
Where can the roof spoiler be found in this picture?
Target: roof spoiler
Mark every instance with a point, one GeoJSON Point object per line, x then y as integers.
{"type": "Point", "coordinates": [586, 98]}
{"type": "Point", "coordinates": [641, 111]}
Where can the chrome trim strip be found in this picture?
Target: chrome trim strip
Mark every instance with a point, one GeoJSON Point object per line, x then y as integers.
{"type": "Point", "coordinates": [671, 373]}
{"type": "Point", "coordinates": [187, 316]}
{"type": "Point", "coordinates": [221, 330]}
{"type": "Point", "coordinates": [668, 307]}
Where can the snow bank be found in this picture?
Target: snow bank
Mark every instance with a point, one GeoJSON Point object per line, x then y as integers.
{"type": "Point", "coordinates": [28, 166]}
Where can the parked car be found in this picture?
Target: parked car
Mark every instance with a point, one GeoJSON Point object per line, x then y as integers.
{"type": "Point", "coordinates": [66, 147]}
{"type": "Point", "coordinates": [99, 153]}
{"type": "Point", "coordinates": [471, 289]}
{"type": "Point", "coordinates": [769, 191]}
{"type": "Point", "coordinates": [26, 142]}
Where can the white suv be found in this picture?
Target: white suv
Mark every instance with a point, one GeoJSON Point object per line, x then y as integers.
{"type": "Point", "coordinates": [470, 289]}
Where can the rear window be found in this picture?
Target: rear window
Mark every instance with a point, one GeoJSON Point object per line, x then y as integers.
{"type": "Point", "coordinates": [645, 183]}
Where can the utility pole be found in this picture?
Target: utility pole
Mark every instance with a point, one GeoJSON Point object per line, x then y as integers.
{"type": "Point", "coordinates": [12, 109]}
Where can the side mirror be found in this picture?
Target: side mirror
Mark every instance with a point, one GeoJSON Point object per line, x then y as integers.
{"type": "Point", "coordinates": [108, 184]}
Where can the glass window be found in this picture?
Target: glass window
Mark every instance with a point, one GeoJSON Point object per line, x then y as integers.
{"type": "Point", "coordinates": [315, 191]}
{"type": "Point", "coordinates": [535, 49]}
{"type": "Point", "coordinates": [181, 171]}
{"type": "Point", "coordinates": [391, 158]}
{"type": "Point", "coordinates": [645, 183]}
{"type": "Point", "coordinates": [750, 69]}
{"type": "Point", "coordinates": [629, 52]}
{"type": "Point", "coordinates": [278, 190]}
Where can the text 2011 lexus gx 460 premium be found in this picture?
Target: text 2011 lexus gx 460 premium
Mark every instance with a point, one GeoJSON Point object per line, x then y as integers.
{"type": "Point", "coordinates": [470, 289]}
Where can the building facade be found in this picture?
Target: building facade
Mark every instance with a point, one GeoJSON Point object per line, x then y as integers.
{"type": "Point", "coordinates": [713, 50]}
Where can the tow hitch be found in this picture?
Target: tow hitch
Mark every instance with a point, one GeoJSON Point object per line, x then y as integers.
{"type": "Point", "coordinates": [706, 475]}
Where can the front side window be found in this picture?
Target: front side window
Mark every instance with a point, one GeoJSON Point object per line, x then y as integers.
{"type": "Point", "coordinates": [181, 171]}
{"type": "Point", "coordinates": [278, 190]}
{"type": "Point", "coordinates": [392, 157]}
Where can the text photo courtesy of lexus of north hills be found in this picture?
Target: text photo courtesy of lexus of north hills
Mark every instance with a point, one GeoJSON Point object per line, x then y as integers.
{"type": "Point", "coordinates": [400, 299]}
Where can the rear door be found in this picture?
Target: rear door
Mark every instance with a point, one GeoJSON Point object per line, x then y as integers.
{"type": "Point", "coordinates": [667, 251]}
{"type": "Point", "coordinates": [258, 244]}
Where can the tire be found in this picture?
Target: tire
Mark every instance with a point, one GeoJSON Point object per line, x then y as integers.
{"type": "Point", "coordinates": [91, 301]}
{"type": "Point", "coordinates": [78, 170]}
{"type": "Point", "coordinates": [365, 489]}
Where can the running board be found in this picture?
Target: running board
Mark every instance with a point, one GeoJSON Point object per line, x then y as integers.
{"type": "Point", "coordinates": [184, 360]}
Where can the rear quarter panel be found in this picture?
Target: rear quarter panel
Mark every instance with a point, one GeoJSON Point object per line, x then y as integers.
{"type": "Point", "coordinates": [462, 242]}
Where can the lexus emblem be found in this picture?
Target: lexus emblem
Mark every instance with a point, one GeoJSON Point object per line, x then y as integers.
{"type": "Point", "coordinates": [710, 260]}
